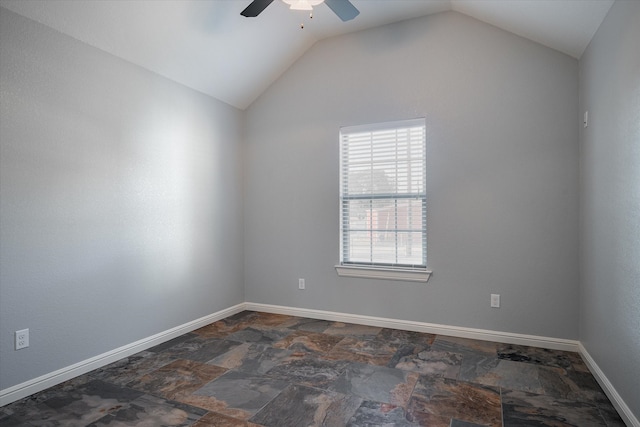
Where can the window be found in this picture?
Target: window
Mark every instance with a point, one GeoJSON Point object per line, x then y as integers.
{"type": "Point", "coordinates": [383, 203]}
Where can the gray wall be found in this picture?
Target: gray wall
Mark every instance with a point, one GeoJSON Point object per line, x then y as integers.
{"type": "Point", "coordinates": [120, 207]}
{"type": "Point", "coordinates": [610, 200]}
{"type": "Point", "coordinates": [502, 159]}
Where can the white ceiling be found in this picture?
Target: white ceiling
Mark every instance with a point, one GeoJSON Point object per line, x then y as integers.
{"type": "Point", "coordinates": [208, 46]}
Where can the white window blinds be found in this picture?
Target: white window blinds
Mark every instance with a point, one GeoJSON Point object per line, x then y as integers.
{"type": "Point", "coordinates": [382, 195]}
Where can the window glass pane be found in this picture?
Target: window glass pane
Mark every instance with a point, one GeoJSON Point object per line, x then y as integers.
{"type": "Point", "coordinates": [360, 246]}
{"type": "Point", "coordinates": [383, 170]}
{"type": "Point", "coordinates": [410, 248]}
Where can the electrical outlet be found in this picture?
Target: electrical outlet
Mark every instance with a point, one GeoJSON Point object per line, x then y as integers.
{"type": "Point", "coordinates": [22, 339]}
{"type": "Point", "coordinates": [495, 300]}
{"type": "Point", "coordinates": [300, 283]}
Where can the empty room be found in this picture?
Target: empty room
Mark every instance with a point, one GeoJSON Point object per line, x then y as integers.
{"type": "Point", "coordinates": [320, 213]}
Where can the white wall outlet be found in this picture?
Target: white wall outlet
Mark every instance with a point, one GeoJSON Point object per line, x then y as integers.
{"type": "Point", "coordinates": [300, 283]}
{"type": "Point", "coordinates": [495, 300]}
{"type": "Point", "coordinates": [22, 339]}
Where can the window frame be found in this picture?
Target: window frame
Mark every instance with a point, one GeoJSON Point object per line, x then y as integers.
{"type": "Point", "coordinates": [376, 270]}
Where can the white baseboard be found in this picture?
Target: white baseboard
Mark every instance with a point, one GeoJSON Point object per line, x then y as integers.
{"type": "Point", "coordinates": [43, 382]}
{"type": "Point", "coordinates": [615, 398]}
{"type": "Point", "coordinates": [431, 328]}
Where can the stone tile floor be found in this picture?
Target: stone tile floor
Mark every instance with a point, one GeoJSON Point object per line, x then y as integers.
{"type": "Point", "coordinates": [259, 369]}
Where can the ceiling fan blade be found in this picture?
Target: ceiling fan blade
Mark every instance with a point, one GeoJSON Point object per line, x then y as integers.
{"type": "Point", "coordinates": [255, 8]}
{"type": "Point", "coordinates": [343, 8]}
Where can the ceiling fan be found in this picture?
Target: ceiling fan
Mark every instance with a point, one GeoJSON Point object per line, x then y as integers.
{"type": "Point", "coordinates": [343, 8]}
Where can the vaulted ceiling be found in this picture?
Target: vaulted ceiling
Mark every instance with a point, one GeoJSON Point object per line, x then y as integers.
{"type": "Point", "coordinates": [208, 46]}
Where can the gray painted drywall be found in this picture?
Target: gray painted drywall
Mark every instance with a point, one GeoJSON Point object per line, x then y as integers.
{"type": "Point", "coordinates": [610, 200]}
{"type": "Point", "coordinates": [502, 158]}
{"type": "Point", "coordinates": [120, 202]}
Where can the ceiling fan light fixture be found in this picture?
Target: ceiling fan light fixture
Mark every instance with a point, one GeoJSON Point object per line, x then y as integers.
{"type": "Point", "coordinates": [302, 4]}
{"type": "Point", "coordinates": [343, 8]}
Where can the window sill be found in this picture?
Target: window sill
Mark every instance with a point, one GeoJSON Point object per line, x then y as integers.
{"type": "Point", "coordinates": [408, 275]}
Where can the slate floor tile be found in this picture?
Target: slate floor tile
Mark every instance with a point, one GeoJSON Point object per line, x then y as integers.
{"type": "Point", "coordinates": [309, 371]}
{"type": "Point", "coordinates": [406, 351]}
{"type": "Point", "coordinates": [458, 423]}
{"type": "Point", "coordinates": [430, 420]}
{"type": "Point", "coordinates": [371, 414]}
{"type": "Point", "coordinates": [370, 351]}
{"type": "Point", "coordinates": [311, 342]}
{"type": "Point", "coordinates": [509, 374]}
{"type": "Point", "coordinates": [610, 415]}
{"type": "Point", "coordinates": [178, 378]}
{"type": "Point", "coordinates": [398, 337]}
{"type": "Point", "coordinates": [300, 406]}
{"type": "Point", "coordinates": [377, 383]}
{"type": "Point", "coordinates": [534, 355]}
{"type": "Point", "coordinates": [260, 336]}
{"type": "Point", "coordinates": [213, 419]}
{"type": "Point", "coordinates": [200, 349]}
{"type": "Point", "coordinates": [570, 384]}
{"type": "Point", "coordinates": [577, 363]}
{"type": "Point", "coordinates": [258, 369]}
{"type": "Point", "coordinates": [271, 321]}
{"type": "Point", "coordinates": [130, 368]}
{"type": "Point", "coordinates": [218, 330]}
{"type": "Point", "coordinates": [23, 406]}
{"type": "Point", "coordinates": [475, 364]}
{"type": "Point", "coordinates": [464, 346]}
{"type": "Point", "coordinates": [12, 421]}
{"type": "Point", "coordinates": [435, 363]}
{"type": "Point", "coordinates": [522, 409]}
{"type": "Point", "coordinates": [352, 330]}
{"type": "Point", "coordinates": [241, 316]}
{"type": "Point", "coordinates": [151, 411]}
{"type": "Point", "coordinates": [312, 325]}
{"type": "Point", "coordinates": [79, 406]}
{"type": "Point", "coordinates": [251, 358]}
{"type": "Point", "coordinates": [168, 344]}
{"type": "Point", "coordinates": [235, 394]}
{"type": "Point", "coordinates": [455, 399]}
{"type": "Point", "coordinates": [227, 326]}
